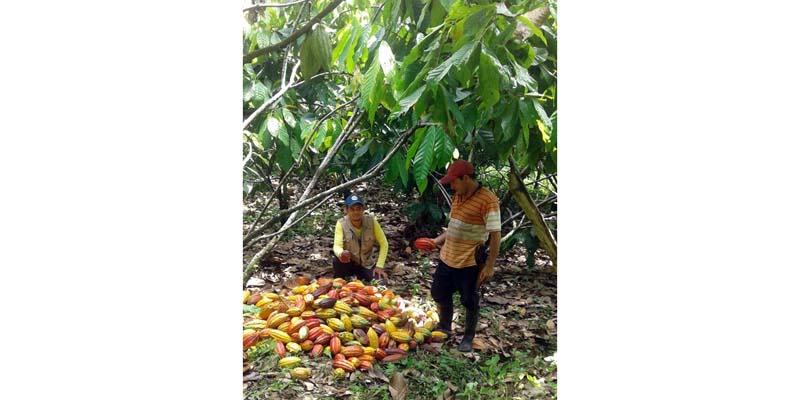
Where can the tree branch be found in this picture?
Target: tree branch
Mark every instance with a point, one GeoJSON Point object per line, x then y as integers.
{"type": "Point", "coordinates": [296, 34]}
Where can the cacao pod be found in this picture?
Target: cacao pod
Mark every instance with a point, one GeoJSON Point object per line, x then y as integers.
{"type": "Point", "coordinates": [393, 357]}
{"type": "Point", "coordinates": [366, 313]}
{"type": "Point", "coordinates": [288, 362]}
{"type": "Point", "coordinates": [348, 325]}
{"type": "Point", "coordinates": [256, 324]}
{"type": "Point", "coordinates": [301, 373]}
{"type": "Point", "coordinates": [379, 329]}
{"type": "Point", "coordinates": [293, 347]}
{"type": "Point", "coordinates": [336, 345]}
{"type": "Point", "coordinates": [339, 373]}
{"type": "Point", "coordinates": [359, 322]}
{"type": "Point", "coordinates": [280, 348]}
{"type": "Point", "coordinates": [302, 334]}
{"type": "Point", "coordinates": [246, 295]}
{"type": "Point", "coordinates": [316, 351]}
{"type": "Point", "coordinates": [323, 339]}
{"type": "Point", "coordinates": [313, 323]}
{"type": "Point", "coordinates": [250, 340]}
{"type": "Point", "coordinates": [352, 351]}
{"type": "Point", "coordinates": [325, 302]}
{"type": "Point", "coordinates": [326, 313]}
{"type": "Point", "coordinates": [342, 307]}
{"type": "Point", "coordinates": [254, 298]}
{"type": "Point", "coordinates": [280, 335]}
{"type": "Point", "coordinates": [373, 338]}
{"type": "Point", "coordinates": [344, 364]}
{"type": "Point", "coordinates": [336, 324]}
{"type": "Point", "coordinates": [307, 345]}
{"type": "Point", "coordinates": [365, 365]}
{"type": "Point", "coordinates": [294, 311]}
{"type": "Point", "coordinates": [346, 336]}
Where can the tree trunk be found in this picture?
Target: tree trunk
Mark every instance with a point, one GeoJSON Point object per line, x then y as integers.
{"type": "Point", "coordinates": [525, 201]}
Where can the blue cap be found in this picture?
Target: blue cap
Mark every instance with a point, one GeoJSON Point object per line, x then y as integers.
{"type": "Point", "coordinates": [353, 199]}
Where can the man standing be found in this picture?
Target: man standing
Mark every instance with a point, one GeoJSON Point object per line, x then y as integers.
{"type": "Point", "coordinates": [474, 217]}
{"type": "Point", "coordinates": [354, 243]}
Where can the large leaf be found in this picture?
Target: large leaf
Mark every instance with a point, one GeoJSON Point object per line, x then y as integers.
{"type": "Point", "coordinates": [423, 160]}
{"type": "Point", "coordinates": [542, 114]}
{"type": "Point", "coordinates": [259, 95]}
{"type": "Point", "coordinates": [489, 82]}
{"type": "Point", "coordinates": [284, 157]}
{"type": "Point", "coordinates": [462, 54]}
{"type": "Point", "coordinates": [278, 130]}
{"type": "Point", "coordinates": [370, 91]}
{"type": "Point", "coordinates": [386, 59]}
{"type": "Point", "coordinates": [419, 135]}
{"type": "Point", "coordinates": [406, 102]}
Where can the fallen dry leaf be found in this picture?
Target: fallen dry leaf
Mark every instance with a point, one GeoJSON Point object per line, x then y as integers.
{"type": "Point", "coordinates": [478, 344]}
{"type": "Point", "coordinates": [398, 387]}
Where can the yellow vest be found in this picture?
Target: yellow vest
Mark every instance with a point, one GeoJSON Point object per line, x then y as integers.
{"type": "Point", "coordinates": [362, 248]}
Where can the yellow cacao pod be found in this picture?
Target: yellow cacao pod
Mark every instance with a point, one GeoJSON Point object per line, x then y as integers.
{"type": "Point", "coordinates": [373, 338]}
{"type": "Point", "coordinates": [342, 307]}
{"type": "Point", "coordinates": [336, 324]}
{"type": "Point", "coordinates": [293, 347]}
{"type": "Point", "coordinates": [400, 336]}
{"type": "Point", "coordinates": [280, 335]}
{"type": "Point", "coordinates": [288, 362]}
{"type": "Point", "coordinates": [301, 373]}
{"type": "Point", "coordinates": [348, 325]}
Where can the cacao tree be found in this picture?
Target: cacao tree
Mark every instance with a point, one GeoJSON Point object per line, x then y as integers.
{"type": "Point", "coordinates": [362, 90]}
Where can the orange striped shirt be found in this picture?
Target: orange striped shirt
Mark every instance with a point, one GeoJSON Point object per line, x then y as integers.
{"type": "Point", "coordinates": [471, 220]}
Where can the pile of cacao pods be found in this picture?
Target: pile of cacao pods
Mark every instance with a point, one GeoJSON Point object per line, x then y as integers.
{"type": "Point", "coordinates": [357, 325]}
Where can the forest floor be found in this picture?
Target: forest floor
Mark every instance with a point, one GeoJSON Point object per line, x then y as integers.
{"type": "Point", "coordinates": [515, 344]}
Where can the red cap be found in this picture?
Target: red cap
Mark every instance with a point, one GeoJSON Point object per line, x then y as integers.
{"type": "Point", "coordinates": [457, 169]}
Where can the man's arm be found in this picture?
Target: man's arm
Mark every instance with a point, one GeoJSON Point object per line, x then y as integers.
{"type": "Point", "coordinates": [382, 243]}
{"type": "Point", "coordinates": [338, 240]}
{"type": "Point", "coordinates": [494, 249]}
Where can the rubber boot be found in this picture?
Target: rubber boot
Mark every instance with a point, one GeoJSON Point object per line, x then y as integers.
{"type": "Point", "coordinates": [445, 319]}
{"type": "Point", "coordinates": [471, 325]}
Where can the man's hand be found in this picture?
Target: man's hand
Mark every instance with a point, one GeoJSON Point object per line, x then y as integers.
{"type": "Point", "coordinates": [380, 273]}
{"type": "Point", "coordinates": [486, 273]}
{"type": "Point", "coordinates": [345, 256]}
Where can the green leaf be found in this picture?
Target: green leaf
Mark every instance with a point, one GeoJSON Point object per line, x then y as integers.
{"type": "Point", "coordinates": [452, 107]}
{"type": "Point", "coordinates": [371, 89]}
{"type": "Point", "coordinates": [423, 160]}
{"type": "Point", "coordinates": [462, 54]}
{"type": "Point", "coordinates": [288, 117]}
{"type": "Point", "coordinates": [264, 135]}
{"type": "Point", "coordinates": [488, 82]}
{"type": "Point", "coordinates": [419, 134]}
{"type": "Point", "coordinates": [322, 133]}
{"type": "Point", "coordinates": [403, 171]}
{"type": "Point", "coordinates": [284, 157]}
{"type": "Point", "coordinates": [458, 10]}
{"type": "Point", "coordinates": [386, 59]}
{"type": "Point", "coordinates": [262, 39]}
{"type": "Point", "coordinates": [540, 55]}
{"type": "Point", "coordinates": [542, 114]}
{"type": "Point", "coordinates": [259, 94]}
{"type": "Point", "coordinates": [278, 130]}
{"type": "Point", "coordinates": [344, 39]}
{"type": "Point", "coordinates": [407, 102]}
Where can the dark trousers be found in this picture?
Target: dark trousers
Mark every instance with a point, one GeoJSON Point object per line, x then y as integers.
{"type": "Point", "coordinates": [343, 270]}
{"type": "Point", "coordinates": [448, 280]}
